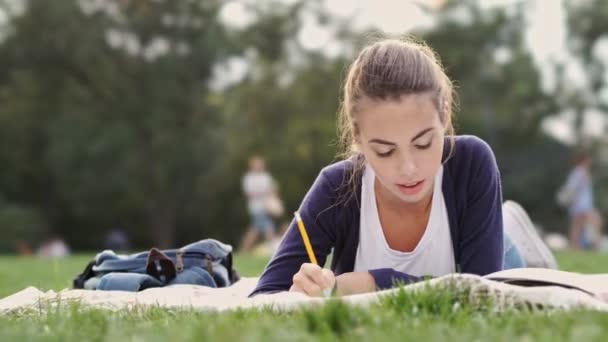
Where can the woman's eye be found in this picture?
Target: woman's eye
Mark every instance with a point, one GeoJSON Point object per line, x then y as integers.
{"type": "Point", "coordinates": [424, 147]}
{"type": "Point", "coordinates": [384, 154]}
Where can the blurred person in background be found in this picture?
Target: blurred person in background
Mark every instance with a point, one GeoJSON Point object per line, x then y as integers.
{"type": "Point", "coordinates": [55, 247]}
{"type": "Point", "coordinates": [117, 240]}
{"type": "Point", "coordinates": [577, 196]}
{"type": "Point", "coordinates": [262, 203]}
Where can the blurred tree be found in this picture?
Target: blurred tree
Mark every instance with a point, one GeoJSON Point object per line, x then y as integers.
{"type": "Point", "coordinates": [111, 114]}
{"type": "Point", "coordinates": [110, 117]}
{"type": "Point", "coordinates": [588, 40]}
{"type": "Point", "coordinates": [588, 43]}
{"type": "Point", "coordinates": [108, 111]}
{"type": "Point", "coordinates": [284, 109]}
{"type": "Point", "coordinates": [501, 98]}
{"type": "Point", "coordinates": [20, 225]}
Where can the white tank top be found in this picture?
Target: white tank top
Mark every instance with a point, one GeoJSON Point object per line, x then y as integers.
{"type": "Point", "coordinates": [434, 254]}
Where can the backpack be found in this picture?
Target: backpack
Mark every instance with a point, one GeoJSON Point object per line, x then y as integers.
{"type": "Point", "coordinates": [207, 262]}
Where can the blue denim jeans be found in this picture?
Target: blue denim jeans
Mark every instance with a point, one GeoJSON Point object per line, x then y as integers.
{"type": "Point", "coordinates": [201, 263]}
{"type": "Point", "coordinates": [262, 221]}
{"type": "Point", "coordinates": [512, 257]}
{"type": "Point", "coordinates": [137, 282]}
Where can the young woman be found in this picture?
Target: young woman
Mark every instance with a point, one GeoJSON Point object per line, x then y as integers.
{"type": "Point", "coordinates": [583, 214]}
{"type": "Point", "coordinates": [410, 200]}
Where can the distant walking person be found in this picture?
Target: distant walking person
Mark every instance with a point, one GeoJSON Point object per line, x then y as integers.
{"type": "Point", "coordinates": [262, 203]}
{"type": "Point", "coordinates": [117, 240]}
{"type": "Point", "coordinates": [577, 196]}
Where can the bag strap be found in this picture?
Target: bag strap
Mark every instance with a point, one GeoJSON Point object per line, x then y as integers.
{"type": "Point", "coordinates": [160, 266]}
{"type": "Point", "coordinates": [78, 282]}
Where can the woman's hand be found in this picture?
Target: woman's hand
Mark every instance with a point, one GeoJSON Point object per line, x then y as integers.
{"type": "Point", "coordinates": [313, 280]}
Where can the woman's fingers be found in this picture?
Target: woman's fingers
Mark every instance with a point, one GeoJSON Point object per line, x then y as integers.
{"type": "Point", "coordinates": [315, 273]}
{"type": "Point", "coordinates": [296, 288]}
{"type": "Point", "coordinates": [303, 283]}
{"type": "Point", "coordinates": [308, 286]}
{"type": "Point", "coordinates": [330, 279]}
{"type": "Point", "coordinates": [312, 280]}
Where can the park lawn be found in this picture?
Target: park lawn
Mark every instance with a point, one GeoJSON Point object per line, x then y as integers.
{"type": "Point", "coordinates": [17, 273]}
{"type": "Point", "coordinates": [432, 316]}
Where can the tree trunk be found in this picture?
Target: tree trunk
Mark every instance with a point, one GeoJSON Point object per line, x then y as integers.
{"type": "Point", "coordinates": [161, 205]}
{"type": "Point", "coordinates": [162, 220]}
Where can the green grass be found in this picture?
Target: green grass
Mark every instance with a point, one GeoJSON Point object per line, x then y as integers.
{"type": "Point", "coordinates": [17, 273]}
{"type": "Point", "coordinates": [427, 315]}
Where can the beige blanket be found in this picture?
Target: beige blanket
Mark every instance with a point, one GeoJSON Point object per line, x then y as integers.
{"type": "Point", "coordinates": [504, 296]}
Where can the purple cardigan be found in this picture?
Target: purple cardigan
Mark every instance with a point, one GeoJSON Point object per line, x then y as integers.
{"type": "Point", "coordinates": [473, 198]}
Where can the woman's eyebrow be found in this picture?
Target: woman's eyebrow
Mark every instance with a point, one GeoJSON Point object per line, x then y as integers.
{"type": "Point", "coordinates": [383, 142]}
{"type": "Point", "coordinates": [423, 132]}
{"type": "Point", "coordinates": [390, 143]}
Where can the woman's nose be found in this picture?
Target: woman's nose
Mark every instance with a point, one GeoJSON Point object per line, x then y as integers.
{"type": "Point", "coordinates": [408, 167]}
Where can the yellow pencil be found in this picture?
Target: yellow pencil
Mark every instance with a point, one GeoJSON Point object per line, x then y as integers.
{"type": "Point", "coordinates": [311, 253]}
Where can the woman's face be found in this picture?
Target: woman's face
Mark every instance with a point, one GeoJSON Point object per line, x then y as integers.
{"type": "Point", "coordinates": [257, 164]}
{"type": "Point", "coordinates": [402, 140]}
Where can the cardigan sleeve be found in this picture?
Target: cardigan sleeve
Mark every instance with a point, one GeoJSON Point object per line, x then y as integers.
{"type": "Point", "coordinates": [481, 226]}
{"type": "Point", "coordinates": [386, 278]}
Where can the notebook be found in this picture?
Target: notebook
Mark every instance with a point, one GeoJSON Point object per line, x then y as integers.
{"type": "Point", "coordinates": [595, 285]}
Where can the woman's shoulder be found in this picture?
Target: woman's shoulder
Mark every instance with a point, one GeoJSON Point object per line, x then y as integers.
{"type": "Point", "coordinates": [337, 172]}
{"type": "Point", "coordinates": [472, 144]}
{"type": "Point", "coordinates": [470, 150]}
{"type": "Point", "coordinates": [472, 160]}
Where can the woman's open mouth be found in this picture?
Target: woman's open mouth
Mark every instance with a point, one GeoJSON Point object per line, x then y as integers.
{"type": "Point", "coordinates": [411, 189]}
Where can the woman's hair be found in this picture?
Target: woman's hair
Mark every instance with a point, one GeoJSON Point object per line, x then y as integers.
{"type": "Point", "coordinates": [387, 70]}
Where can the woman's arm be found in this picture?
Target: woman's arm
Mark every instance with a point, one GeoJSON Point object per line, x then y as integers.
{"type": "Point", "coordinates": [481, 226]}
{"type": "Point", "coordinates": [313, 280]}
{"type": "Point", "coordinates": [355, 282]}
{"type": "Point", "coordinates": [319, 219]}
{"type": "Point", "coordinates": [385, 278]}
